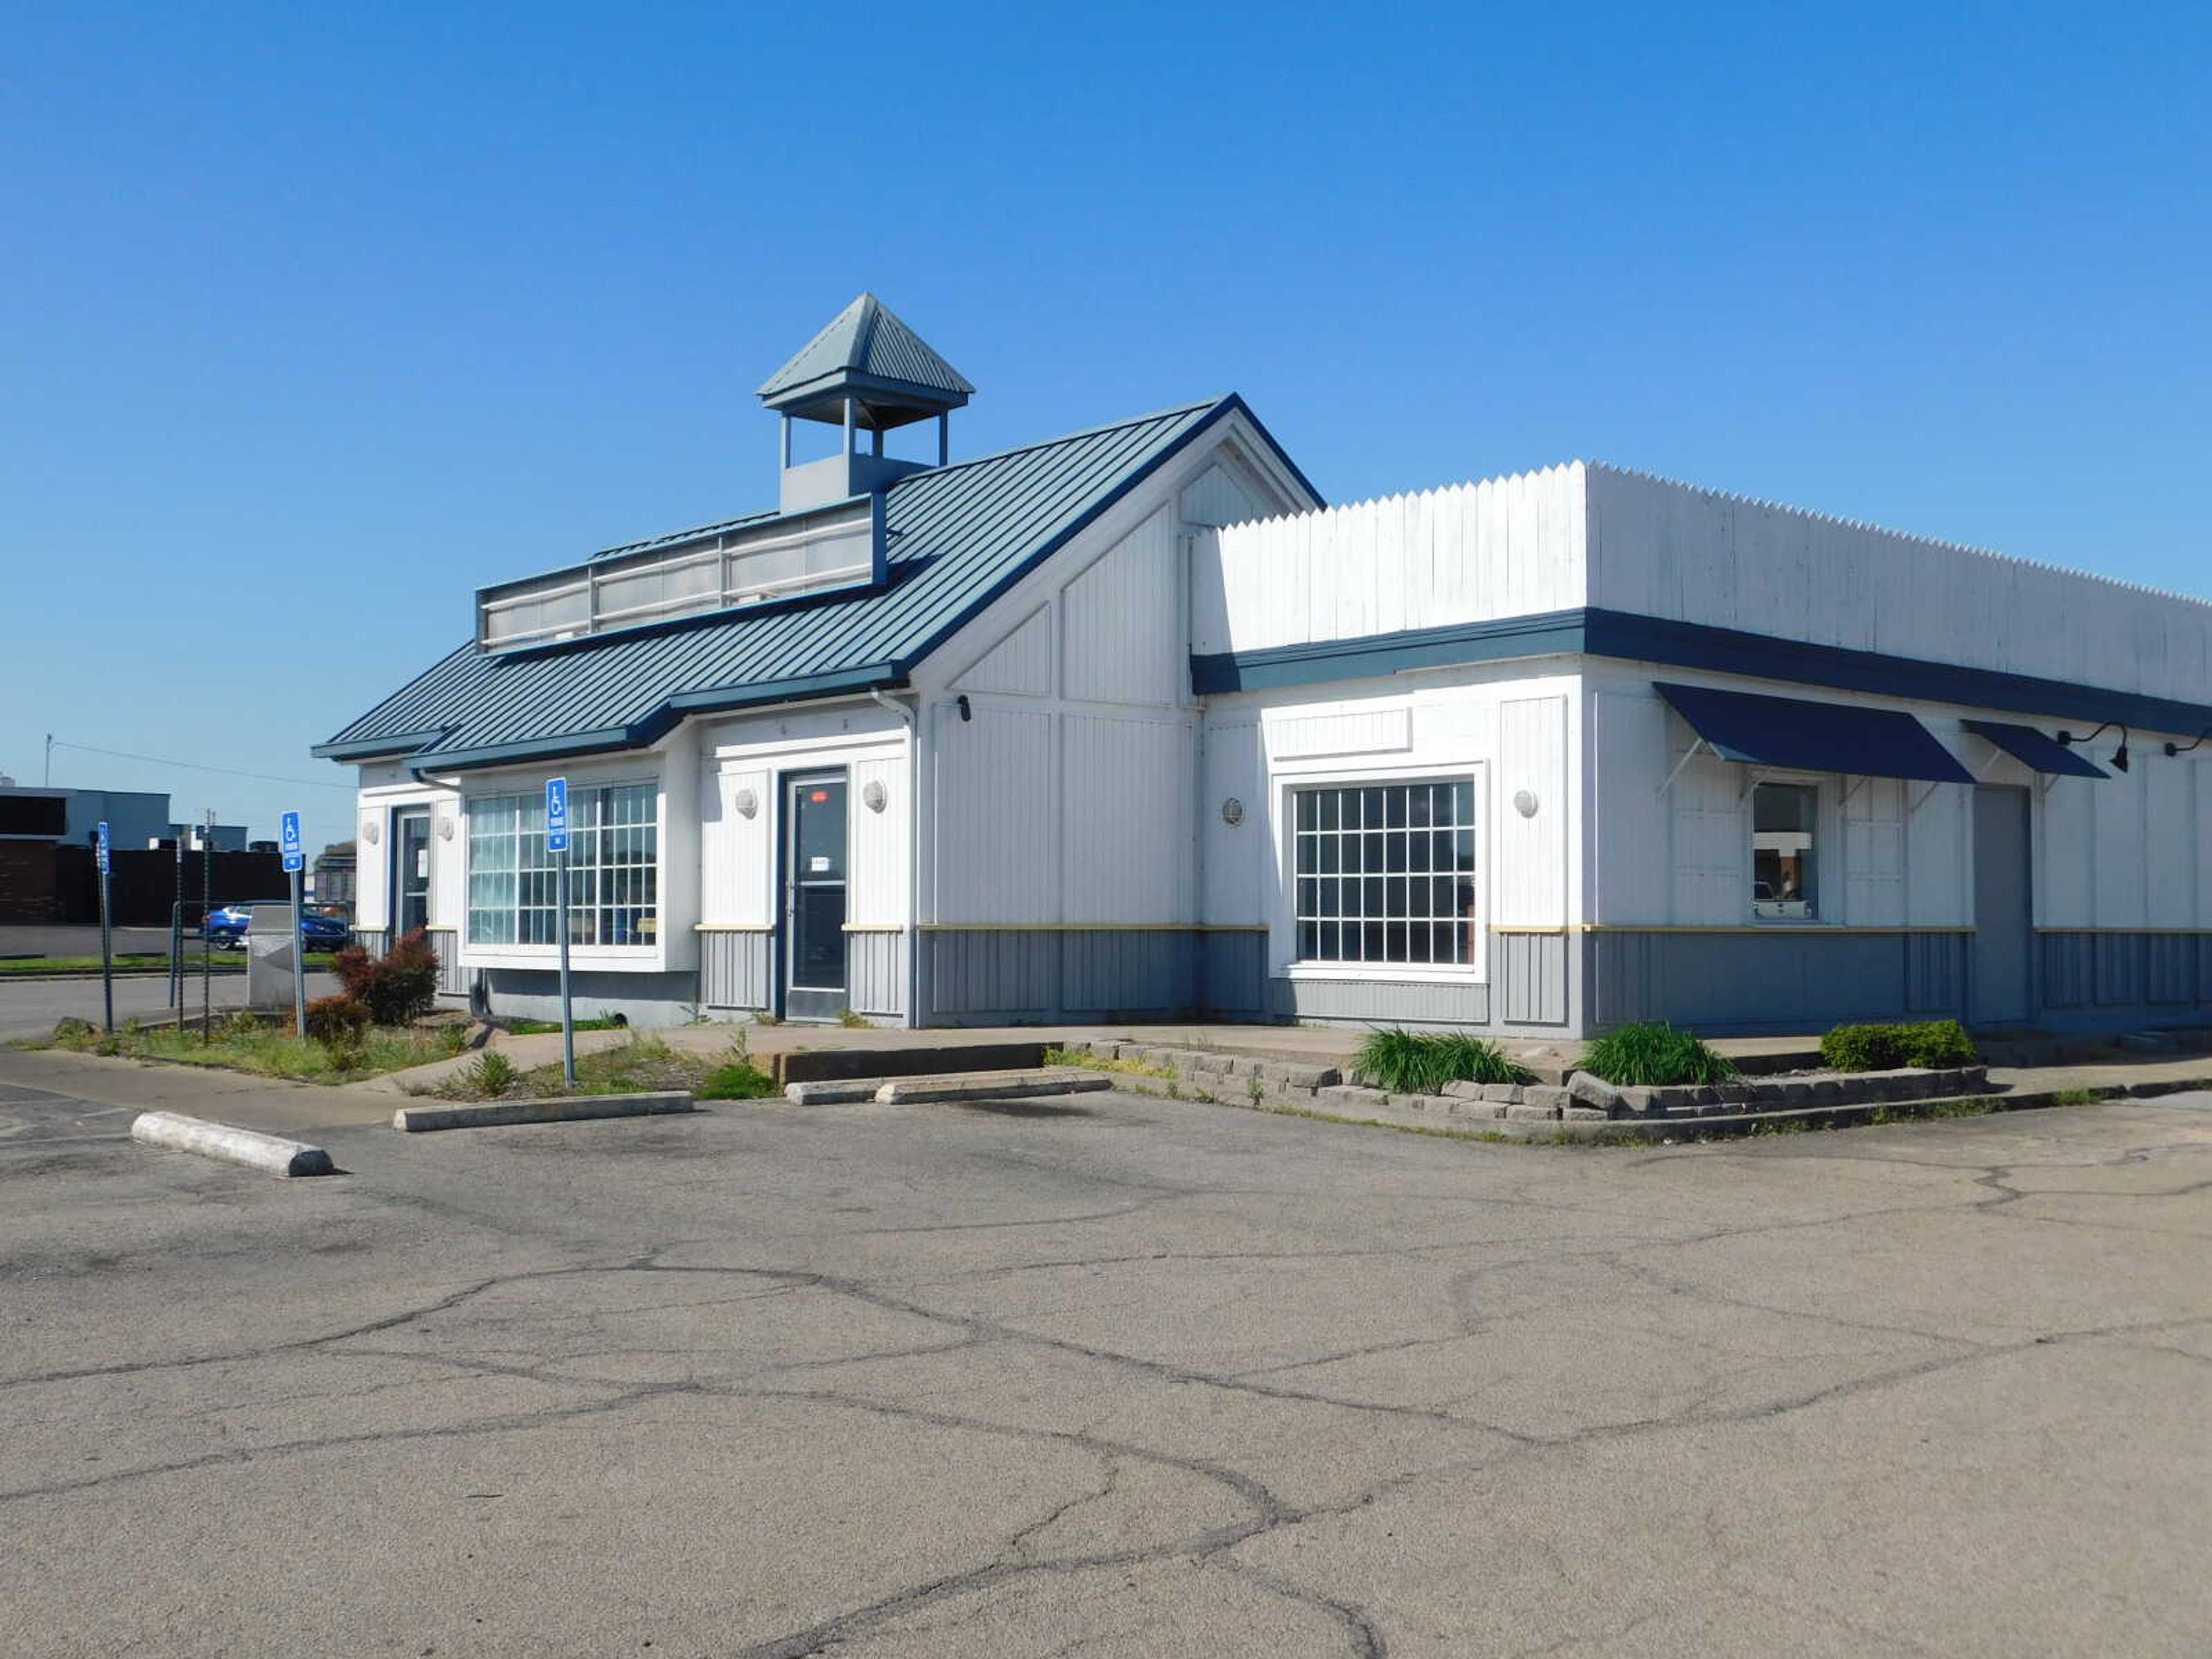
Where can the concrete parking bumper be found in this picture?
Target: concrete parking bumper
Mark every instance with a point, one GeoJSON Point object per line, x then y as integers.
{"type": "Point", "coordinates": [499, 1113]}
{"type": "Point", "coordinates": [270, 1154]}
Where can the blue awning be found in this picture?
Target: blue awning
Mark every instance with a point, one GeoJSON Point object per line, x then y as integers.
{"type": "Point", "coordinates": [2035, 751]}
{"type": "Point", "coordinates": [1814, 736]}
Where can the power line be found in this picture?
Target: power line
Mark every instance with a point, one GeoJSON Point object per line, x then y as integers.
{"type": "Point", "coordinates": [196, 766]}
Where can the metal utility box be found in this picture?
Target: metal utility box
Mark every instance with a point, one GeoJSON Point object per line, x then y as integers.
{"type": "Point", "coordinates": [270, 962]}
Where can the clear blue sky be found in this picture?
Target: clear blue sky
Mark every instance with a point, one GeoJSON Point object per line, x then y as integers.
{"type": "Point", "coordinates": [309, 324]}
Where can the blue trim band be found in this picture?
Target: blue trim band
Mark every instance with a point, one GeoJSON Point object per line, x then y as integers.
{"type": "Point", "coordinates": [1621, 634]}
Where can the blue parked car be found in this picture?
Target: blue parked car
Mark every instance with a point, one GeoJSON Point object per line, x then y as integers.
{"type": "Point", "coordinates": [226, 926]}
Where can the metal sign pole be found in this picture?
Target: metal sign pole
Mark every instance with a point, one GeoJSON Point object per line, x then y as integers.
{"type": "Point", "coordinates": [568, 1008]}
{"type": "Point", "coordinates": [177, 932]}
{"type": "Point", "coordinates": [295, 862]}
{"type": "Point", "coordinates": [556, 844]}
{"type": "Point", "coordinates": [207, 903]}
{"type": "Point", "coordinates": [106, 941]}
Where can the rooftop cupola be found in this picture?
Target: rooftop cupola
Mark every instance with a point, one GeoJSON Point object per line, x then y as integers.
{"type": "Point", "coordinates": [866, 372]}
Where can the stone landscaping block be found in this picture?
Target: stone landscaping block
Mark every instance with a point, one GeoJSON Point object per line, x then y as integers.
{"type": "Point", "coordinates": [1503, 1094]}
{"type": "Point", "coordinates": [1308, 1077]}
{"type": "Point", "coordinates": [1531, 1111]}
{"type": "Point", "coordinates": [1215, 1064]}
{"type": "Point", "coordinates": [1348, 1097]}
{"type": "Point", "coordinates": [1466, 1090]}
{"type": "Point", "coordinates": [1585, 1114]}
{"type": "Point", "coordinates": [1826, 1090]}
{"type": "Point", "coordinates": [1974, 1079]}
{"type": "Point", "coordinates": [1797, 1094]}
{"type": "Point", "coordinates": [1668, 1099]}
{"type": "Point", "coordinates": [1434, 1105]}
{"type": "Point", "coordinates": [1737, 1094]}
{"type": "Point", "coordinates": [1484, 1110]}
{"type": "Point", "coordinates": [1596, 1093]}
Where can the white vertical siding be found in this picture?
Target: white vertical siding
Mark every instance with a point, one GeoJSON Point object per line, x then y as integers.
{"type": "Point", "coordinates": [2201, 838]}
{"type": "Point", "coordinates": [1711, 831]}
{"type": "Point", "coordinates": [1873, 853]}
{"type": "Point", "coordinates": [1237, 859]}
{"type": "Point", "coordinates": [877, 843]}
{"type": "Point", "coordinates": [1126, 851]}
{"type": "Point", "coordinates": [998, 830]}
{"type": "Point", "coordinates": [2170, 841]}
{"type": "Point", "coordinates": [2116, 879]}
{"type": "Point", "coordinates": [1465, 553]}
{"type": "Point", "coordinates": [1938, 876]}
{"type": "Point", "coordinates": [449, 850]}
{"type": "Point", "coordinates": [1217, 496]}
{"type": "Point", "coordinates": [736, 853]}
{"type": "Point", "coordinates": [1634, 874]}
{"type": "Point", "coordinates": [372, 892]}
{"type": "Point", "coordinates": [1020, 664]}
{"type": "Point", "coordinates": [1121, 637]}
{"type": "Point", "coordinates": [2065, 852]}
{"type": "Point", "coordinates": [1661, 548]}
{"type": "Point", "coordinates": [1530, 854]}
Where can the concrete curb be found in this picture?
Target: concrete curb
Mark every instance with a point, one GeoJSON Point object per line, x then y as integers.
{"type": "Point", "coordinates": [990, 1085]}
{"type": "Point", "coordinates": [500, 1114]}
{"type": "Point", "coordinates": [173, 1132]}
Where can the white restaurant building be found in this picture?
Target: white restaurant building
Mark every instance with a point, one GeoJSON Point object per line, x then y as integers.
{"type": "Point", "coordinates": [1129, 724]}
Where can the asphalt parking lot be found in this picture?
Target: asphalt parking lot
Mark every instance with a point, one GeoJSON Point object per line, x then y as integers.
{"type": "Point", "coordinates": [1114, 1376]}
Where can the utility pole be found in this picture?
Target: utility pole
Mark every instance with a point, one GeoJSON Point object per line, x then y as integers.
{"type": "Point", "coordinates": [47, 782]}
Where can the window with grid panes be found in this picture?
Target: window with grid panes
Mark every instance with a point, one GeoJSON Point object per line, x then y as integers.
{"type": "Point", "coordinates": [614, 883]}
{"type": "Point", "coordinates": [1384, 872]}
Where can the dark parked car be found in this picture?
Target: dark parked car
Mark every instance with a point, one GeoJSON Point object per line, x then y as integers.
{"type": "Point", "coordinates": [226, 928]}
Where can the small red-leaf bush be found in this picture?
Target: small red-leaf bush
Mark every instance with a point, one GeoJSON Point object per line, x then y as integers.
{"type": "Point", "coordinates": [338, 1021]}
{"type": "Point", "coordinates": [399, 986]}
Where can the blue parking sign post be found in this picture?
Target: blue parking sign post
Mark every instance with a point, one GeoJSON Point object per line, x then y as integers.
{"type": "Point", "coordinates": [556, 844]}
{"type": "Point", "coordinates": [295, 863]}
{"type": "Point", "coordinates": [107, 931]}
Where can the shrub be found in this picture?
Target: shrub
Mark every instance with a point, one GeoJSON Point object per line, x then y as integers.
{"type": "Point", "coordinates": [1932, 1044]}
{"type": "Point", "coordinates": [399, 986]}
{"type": "Point", "coordinates": [735, 1081]}
{"type": "Point", "coordinates": [338, 1022]}
{"type": "Point", "coordinates": [490, 1075]}
{"type": "Point", "coordinates": [1421, 1063]}
{"type": "Point", "coordinates": [1653, 1055]}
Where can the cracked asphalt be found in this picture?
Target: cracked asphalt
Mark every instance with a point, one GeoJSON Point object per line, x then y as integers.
{"type": "Point", "coordinates": [1119, 1376]}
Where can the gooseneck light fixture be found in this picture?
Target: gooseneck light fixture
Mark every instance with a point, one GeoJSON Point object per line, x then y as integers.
{"type": "Point", "coordinates": [2173, 748]}
{"type": "Point", "coordinates": [2120, 754]}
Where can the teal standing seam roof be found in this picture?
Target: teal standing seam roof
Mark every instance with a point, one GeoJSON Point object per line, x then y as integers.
{"type": "Point", "coordinates": [867, 338]}
{"type": "Point", "coordinates": [959, 536]}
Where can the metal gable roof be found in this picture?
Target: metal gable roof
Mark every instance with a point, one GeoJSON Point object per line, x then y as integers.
{"type": "Point", "coordinates": [867, 338]}
{"type": "Point", "coordinates": [959, 536]}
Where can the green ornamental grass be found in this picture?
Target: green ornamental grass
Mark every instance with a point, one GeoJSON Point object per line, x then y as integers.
{"type": "Point", "coordinates": [1653, 1054]}
{"type": "Point", "coordinates": [1422, 1062]}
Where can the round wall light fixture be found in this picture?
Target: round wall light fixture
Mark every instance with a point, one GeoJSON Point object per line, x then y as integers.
{"type": "Point", "coordinates": [371, 831]}
{"type": "Point", "coordinates": [1232, 812]}
{"type": "Point", "coordinates": [747, 803]}
{"type": "Point", "coordinates": [445, 829]}
{"type": "Point", "coordinates": [1524, 802]}
{"type": "Point", "coordinates": [873, 795]}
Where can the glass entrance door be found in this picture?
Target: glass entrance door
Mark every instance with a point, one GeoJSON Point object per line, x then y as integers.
{"type": "Point", "coordinates": [410, 887]}
{"type": "Point", "coordinates": [814, 898]}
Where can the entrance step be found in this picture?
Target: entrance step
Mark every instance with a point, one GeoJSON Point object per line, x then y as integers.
{"type": "Point", "coordinates": [845, 1065]}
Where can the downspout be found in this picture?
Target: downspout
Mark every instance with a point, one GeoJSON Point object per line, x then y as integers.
{"type": "Point", "coordinates": [907, 717]}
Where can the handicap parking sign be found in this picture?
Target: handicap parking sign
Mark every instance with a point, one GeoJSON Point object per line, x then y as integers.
{"type": "Point", "coordinates": [288, 842]}
{"type": "Point", "coordinates": [556, 814]}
